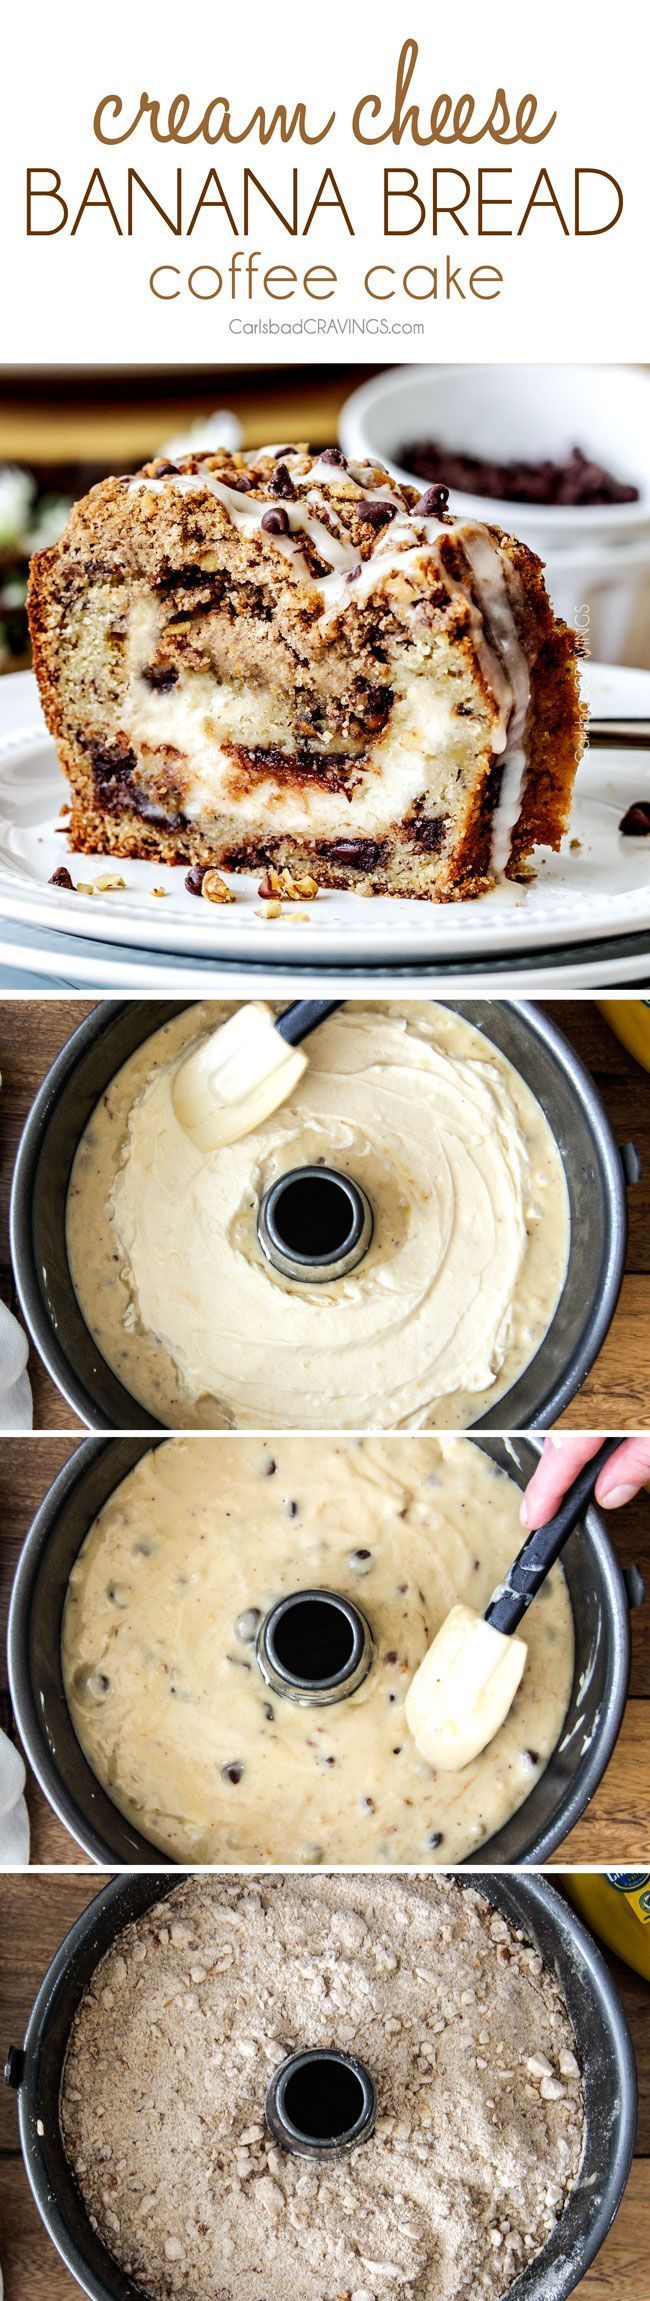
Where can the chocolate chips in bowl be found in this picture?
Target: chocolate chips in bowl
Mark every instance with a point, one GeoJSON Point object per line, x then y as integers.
{"type": "Point", "coordinates": [575, 482]}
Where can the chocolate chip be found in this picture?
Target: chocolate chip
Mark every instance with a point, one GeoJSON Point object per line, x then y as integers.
{"type": "Point", "coordinates": [364, 853]}
{"type": "Point", "coordinates": [240, 483]}
{"type": "Point", "coordinates": [429, 833]}
{"type": "Point", "coordinates": [532, 1756]}
{"type": "Point", "coordinates": [333, 455]}
{"type": "Point", "coordinates": [367, 1805]}
{"type": "Point", "coordinates": [269, 1468]}
{"type": "Point", "coordinates": [194, 878]}
{"type": "Point", "coordinates": [392, 1657]}
{"type": "Point", "coordinates": [636, 823]}
{"type": "Point", "coordinates": [269, 1712]}
{"type": "Point", "coordinates": [160, 676]}
{"type": "Point", "coordinates": [290, 1509]}
{"type": "Point", "coordinates": [433, 504]}
{"type": "Point", "coordinates": [61, 878]}
{"type": "Point", "coordinates": [353, 572]}
{"type": "Point", "coordinates": [282, 483]}
{"type": "Point", "coordinates": [232, 1773]}
{"type": "Point", "coordinates": [375, 514]}
{"type": "Point", "coordinates": [398, 1751]}
{"type": "Point", "coordinates": [164, 470]}
{"type": "Point", "coordinates": [435, 1840]}
{"type": "Point", "coordinates": [276, 522]}
{"type": "Point", "coordinates": [578, 479]}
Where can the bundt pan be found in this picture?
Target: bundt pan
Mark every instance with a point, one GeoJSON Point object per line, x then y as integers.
{"type": "Point", "coordinates": [603, 2045]}
{"type": "Point", "coordinates": [596, 1173]}
{"type": "Point", "coordinates": [600, 1597]}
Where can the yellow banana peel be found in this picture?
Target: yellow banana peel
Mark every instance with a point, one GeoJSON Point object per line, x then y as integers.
{"type": "Point", "coordinates": [616, 1905]}
{"type": "Point", "coordinates": [630, 1020]}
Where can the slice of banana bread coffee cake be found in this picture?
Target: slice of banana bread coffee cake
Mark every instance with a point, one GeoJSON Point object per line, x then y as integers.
{"type": "Point", "coordinates": [281, 660]}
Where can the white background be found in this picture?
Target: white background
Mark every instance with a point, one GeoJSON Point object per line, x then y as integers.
{"type": "Point", "coordinates": [87, 300]}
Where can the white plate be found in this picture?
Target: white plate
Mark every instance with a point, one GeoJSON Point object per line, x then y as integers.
{"type": "Point", "coordinates": [599, 887]}
{"type": "Point", "coordinates": [31, 960]}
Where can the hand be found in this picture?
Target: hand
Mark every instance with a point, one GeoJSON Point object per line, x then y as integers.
{"type": "Point", "coordinates": [561, 1459]}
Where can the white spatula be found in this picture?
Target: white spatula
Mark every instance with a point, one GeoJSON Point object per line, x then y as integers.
{"type": "Point", "coordinates": [244, 1070]}
{"type": "Point", "coordinates": [467, 1683]}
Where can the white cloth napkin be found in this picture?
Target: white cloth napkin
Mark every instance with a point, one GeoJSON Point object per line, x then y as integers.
{"type": "Point", "coordinates": [14, 1820]}
{"type": "Point", "coordinates": [15, 1388]}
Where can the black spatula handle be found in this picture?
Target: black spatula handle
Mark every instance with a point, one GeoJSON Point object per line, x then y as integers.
{"type": "Point", "coordinates": [304, 1016]}
{"type": "Point", "coordinates": [540, 1550]}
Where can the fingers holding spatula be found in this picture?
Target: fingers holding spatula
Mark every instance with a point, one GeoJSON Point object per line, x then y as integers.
{"type": "Point", "coordinates": [465, 1686]}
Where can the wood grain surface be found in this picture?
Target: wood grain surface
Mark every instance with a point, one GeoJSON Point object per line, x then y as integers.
{"type": "Point", "coordinates": [616, 1394]}
{"type": "Point", "coordinates": [35, 1913]}
{"type": "Point", "coordinates": [32, 1032]}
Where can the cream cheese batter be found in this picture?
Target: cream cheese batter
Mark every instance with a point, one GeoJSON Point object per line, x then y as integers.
{"type": "Point", "coordinates": [450, 1302]}
{"type": "Point", "coordinates": [159, 1654]}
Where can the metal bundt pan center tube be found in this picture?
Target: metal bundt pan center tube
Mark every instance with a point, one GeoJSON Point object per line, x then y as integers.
{"type": "Point", "coordinates": [315, 1647]}
{"type": "Point", "coordinates": [596, 1174]}
{"type": "Point", "coordinates": [321, 2103]}
{"type": "Point", "coordinates": [531, 1905]}
{"type": "Point", "coordinates": [600, 1595]}
{"type": "Point", "coordinates": [315, 1224]}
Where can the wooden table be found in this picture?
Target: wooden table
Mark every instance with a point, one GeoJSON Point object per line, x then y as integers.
{"type": "Point", "coordinates": [616, 1394]}
{"type": "Point", "coordinates": [35, 1913]}
{"type": "Point", "coordinates": [111, 420]}
{"type": "Point", "coordinates": [616, 1826]}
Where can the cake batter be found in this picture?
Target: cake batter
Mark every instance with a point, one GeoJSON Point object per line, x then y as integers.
{"type": "Point", "coordinates": [159, 1648]}
{"type": "Point", "coordinates": [452, 1299]}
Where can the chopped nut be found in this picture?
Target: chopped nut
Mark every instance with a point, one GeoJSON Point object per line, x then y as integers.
{"type": "Point", "coordinates": [159, 890]}
{"type": "Point", "coordinates": [109, 884]}
{"type": "Point", "coordinates": [301, 890]}
{"type": "Point", "coordinates": [269, 911]}
{"type": "Point", "coordinates": [568, 2065]}
{"type": "Point", "coordinates": [214, 889]}
{"type": "Point", "coordinates": [304, 889]}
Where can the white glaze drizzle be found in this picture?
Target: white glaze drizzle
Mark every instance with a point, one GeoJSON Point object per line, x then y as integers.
{"type": "Point", "coordinates": [403, 547]}
{"type": "Point", "coordinates": [497, 585]}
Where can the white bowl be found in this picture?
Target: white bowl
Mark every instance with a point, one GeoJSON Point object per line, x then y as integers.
{"type": "Point", "coordinates": [506, 412]}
